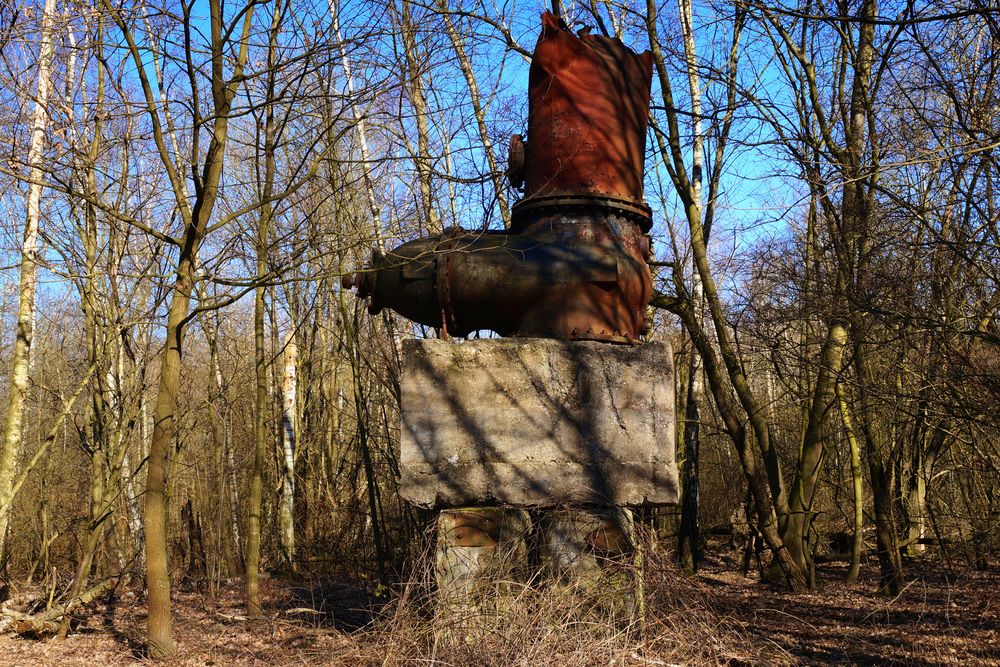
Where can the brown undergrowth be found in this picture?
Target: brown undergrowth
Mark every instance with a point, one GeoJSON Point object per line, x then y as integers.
{"type": "Point", "coordinates": [537, 625]}
{"type": "Point", "coordinates": [715, 618]}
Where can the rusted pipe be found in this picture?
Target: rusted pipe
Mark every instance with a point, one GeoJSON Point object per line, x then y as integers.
{"type": "Point", "coordinates": [573, 264]}
{"type": "Point", "coordinates": [569, 276]}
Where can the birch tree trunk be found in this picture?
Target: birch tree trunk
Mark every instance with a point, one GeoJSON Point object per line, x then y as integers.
{"type": "Point", "coordinates": [688, 535]}
{"type": "Point", "coordinates": [289, 429]}
{"type": "Point", "coordinates": [359, 125]}
{"type": "Point", "coordinates": [21, 361]}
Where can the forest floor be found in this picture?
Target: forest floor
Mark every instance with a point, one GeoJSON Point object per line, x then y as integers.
{"type": "Point", "coordinates": [718, 617]}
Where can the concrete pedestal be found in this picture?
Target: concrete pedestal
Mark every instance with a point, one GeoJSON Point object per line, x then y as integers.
{"type": "Point", "coordinates": [537, 423]}
{"type": "Point", "coordinates": [594, 553]}
{"type": "Point", "coordinates": [574, 430]}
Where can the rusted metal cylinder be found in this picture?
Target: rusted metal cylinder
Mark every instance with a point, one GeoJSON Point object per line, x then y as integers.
{"type": "Point", "coordinates": [576, 275]}
{"type": "Point", "coordinates": [573, 264]}
{"type": "Point", "coordinates": [587, 118]}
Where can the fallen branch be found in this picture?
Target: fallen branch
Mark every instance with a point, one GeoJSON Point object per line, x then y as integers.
{"type": "Point", "coordinates": [33, 626]}
{"type": "Point", "coordinates": [22, 602]}
{"type": "Point", "coordinates": [47, 622]}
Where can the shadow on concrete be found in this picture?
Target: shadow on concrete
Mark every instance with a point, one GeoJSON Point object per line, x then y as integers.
{"type": "Point", "coordinates": [536, 436]}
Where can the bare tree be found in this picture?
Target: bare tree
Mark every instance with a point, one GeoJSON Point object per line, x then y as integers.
{"type": "Point", "coordinates": [21, 361]}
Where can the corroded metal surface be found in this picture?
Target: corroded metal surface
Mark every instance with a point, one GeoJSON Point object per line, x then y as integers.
{"type": "Point", "coordinates": [588, 103]}
{"type": "Point", "coordinates": [574, 263]}
{"type": "Point", "coordinates": [575, 276]}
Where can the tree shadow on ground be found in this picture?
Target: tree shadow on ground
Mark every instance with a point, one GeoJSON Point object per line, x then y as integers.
{"type": "Point", "coordinates": [136, 649]}
{"type": "Point", "coordinates": [329, 604]}
{"type": "Point", "coordinates": [936, 620]}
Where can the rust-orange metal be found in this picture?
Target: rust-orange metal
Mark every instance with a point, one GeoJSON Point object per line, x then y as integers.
{"type": "Point", "coordinates": [573, 264]}
{"type": "Point", "coordinates": [572, 275]}
{"type": "Point", "coordinates": [588, 102]}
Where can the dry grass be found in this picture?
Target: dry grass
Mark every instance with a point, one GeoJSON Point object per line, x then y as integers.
{"type": "Point", "coordinates": [513, 624]}
{"type": "Point", "coordinates": [715, 618]}
{"type": "Point", "coordinates": [516, 624]}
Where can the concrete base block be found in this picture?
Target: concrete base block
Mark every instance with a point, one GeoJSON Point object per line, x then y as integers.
{"type": "Point", "coordinates": [594, 553]}
{"type": "Point", "coordinates": [481, 564]}
{"type": "Point", "coordinates": [578, 544]}
{"type": "Point", "coordinates": [585, 562]}
{"type": "Point", "coordinates": [536, 423]}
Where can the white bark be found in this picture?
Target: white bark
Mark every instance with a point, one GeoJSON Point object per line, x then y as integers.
{"type": "Point", "coordinates": [11, 445]}
{"type": "Point", "coordinates": [694, 87]}
{"type": "Point", "coordinates": [288, 432]}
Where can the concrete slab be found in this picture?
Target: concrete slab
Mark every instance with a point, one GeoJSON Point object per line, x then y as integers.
{"type": "Point", "coordinates": [537, 422]}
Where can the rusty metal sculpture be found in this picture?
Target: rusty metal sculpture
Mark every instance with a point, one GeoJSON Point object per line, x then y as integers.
{"type": "Point", "coordinates": [573, 263]}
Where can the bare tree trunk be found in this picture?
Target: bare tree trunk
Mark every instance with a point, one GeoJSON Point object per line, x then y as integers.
{"type": "Point", "coordinates": [690, 195]}
{"type": "Point", "coordinates": [289, 428]}
{"type": "Point", "coordinates": [689, 533]}
{"type": "Point", "coordinates": [159, 622]}
{"type": "Point", "coordinates": [859, 514]}
{"type": "Point", "coordinates": [813, 450]}
{"type": "Point", "coordinates": [856, 222]}
{"type": "Point", "coordinates": [881, 476]}
{"type": "Point", "coordinates": [359, 125]}
{"type": "Point", "coordinates": [261, 403]}
{"type": "Point", "coordinates": [925, 445]}
{"type": "Point", "coordinates": [458, 44]}
{"type": "Point", "coordinates": [415, 88]}
{"type": "Point", "coordinates": [254, 606]}
{"type": "Point", "coordinates": [21, 360]}
{"type": "Point", "coordinates": [129, 473]}
{"type": "Point", "coordinates": [691, 192]}
{"type": "Point", "coordinates": [196, 217]}
{"type": "Point", "coordinates": [689, 528]}
{"type": "Point", "coordinates": [218, 422]}
{"type": "Point", "coordinates": [98, 416]}
{"type": "Point", "coordinates": [234, 497]}
{"type": "Point", "coordinates": [775, 504]}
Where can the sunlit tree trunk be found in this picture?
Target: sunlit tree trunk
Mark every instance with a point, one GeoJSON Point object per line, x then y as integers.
{"type": "Point", "coordinates": [101, 423]}
{"type": "Point", "coordinates": [21, 359]}
{"type": "Point", "coordinates": [857, 219]}
{"type": "Point", "coordinates": [478, 110]}
{"type": "Point", "coordinates": [689, 533]}
{"type": "Point", "coordinates": [727, 373]}
{"type": "Point", "coordinates": [261, 403]}
{"type": "Point", "coordinates": [415, 88]}
{"type": "Point", "coordinates": [857, 543]}
{"type": "Point", "coordinates": [360, 127]}
{"type": "Point", "coordinates": [880, 474]}
{"type": "Point", "coordinates": [196, 217]}
{"type": "Point", "coordinates": [813, 451]}
{"type": "Point", "coordinates": [289, 429]}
